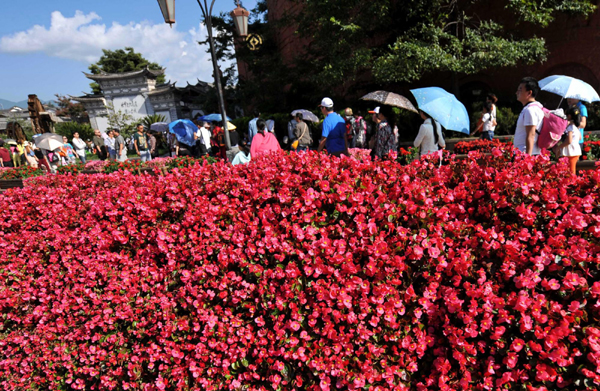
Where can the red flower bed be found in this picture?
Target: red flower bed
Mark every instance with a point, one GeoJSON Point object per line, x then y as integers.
{"type": "Point", "coordinates": [464, 147]}
{"type": "Point", "coordinates": [304, 272]}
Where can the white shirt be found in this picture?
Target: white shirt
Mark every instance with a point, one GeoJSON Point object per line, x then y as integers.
{"type": "Point", "coordinates": [205, 137]}
{"type": "Point", "coordinates": [573, 149]}
{"type": "Point", "coordinates": [78, 144]}
{"type": "Point", "coordinates": [426, 139]}
{"type": "Point", "coordinates": [488, 120]}
{"type": "Point", "coordinates": [531, 115]}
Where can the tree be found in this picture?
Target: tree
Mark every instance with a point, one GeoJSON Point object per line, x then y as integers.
{"type": "Point", "coordinates": [403, 40]}
{"type": "Point", "coordinates": [121, 60]}
{"type": "Point", "coordinates": [74, 110]}
{"type": "Point", "coordinates": [69, 128]}
{"type": "Point", "coordinates": [120, 120]}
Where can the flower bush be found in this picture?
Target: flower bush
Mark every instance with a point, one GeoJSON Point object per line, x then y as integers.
{"type": "Point", "coordinates": [464, 147]}
{"type": "Point", "coordinates": [188, 161]}
{"type": "Point", "coordinates": [133, 166]}
{"type": "Point", "coordinates": [96, 165]}
{"type": "Point", "coordinates": [20, 172]}
{"type": "Point", "coordinates": [406, 156]}
{"type": "Point", "coordinates": [590, 150]}
{"type": "Point", "coordinates": [304, 272]}
{"type": "Point", "coordinates": [71, 168]}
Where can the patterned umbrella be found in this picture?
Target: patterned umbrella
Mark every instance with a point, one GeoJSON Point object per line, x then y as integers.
{"type": "Point", "coordinates": [390, 99]}
{"type": "Point", "coordinates": [569, 87]}
{"type": "Point", "coordinates": [306, 115]}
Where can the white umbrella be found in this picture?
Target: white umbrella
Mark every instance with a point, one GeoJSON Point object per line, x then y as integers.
{"type": "Point", "coordinates": [48, 141]}
{"type": "Point", "coordinates": [569, 87]}
{"type": "Point", "coordinates": [162, 127]}
{"type": "Point", "coordinates": [306, 115]}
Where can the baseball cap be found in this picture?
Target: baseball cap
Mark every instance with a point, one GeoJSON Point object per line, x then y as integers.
{"type": "Point", "coordinates": [376, 111]}
{"type": "Point", "coordinates": [326, 102]}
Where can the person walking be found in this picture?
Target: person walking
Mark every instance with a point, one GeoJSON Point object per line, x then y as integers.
{"type": "Point", "coordinates": [140, 143]}
{"type": "Point", "coordinates": [386, 138]}
{"type": "Point", "coordinates": [360, 131]}
{"type": "Point", "coordinates": [264, 141]}
{"type": "Point", "coordinates": [252, 128]}
{"type": "Point", "coordinates": [350, 127]}
{"type": "Point", "coordinates": [430, 137]}
{"type": "Point", "coordinates": [152, 144]}
{"type": "Point", "coordinates": [291, 132]}
{"type": "Point", "coordinates": [120, 148]}
{"type": "Point", "coordinates": [486, 123]}
{"type": "Point", "coordinates": [492, 98]}
{"type": "Point", "coordinates": [205, 135]}
{"type": "Point", "coordinates": [569, 146]}
{"type": "Point", "coordinates": [333, 136]}
{"type": "Point", "coordinates": [109, 141]}
{"type": "Point", "coordinates": [302, 134]}
{"type": "Point", "coordinates": [373, 133]}
{"type": "Point", "coordinates": [530, 119]}
{"type": "Point", "coordinates": [79, 147]}
{"type": "Point", "coordinates": [5, 156]}
{"type": "Point", "coordinates": [583, 114]}
{"type": "Point", "coordinates": [234, 139]}
{"type": "Point", "coordinates": [69, 153]}
{"type": "Point", "coordinates": [99, 145]}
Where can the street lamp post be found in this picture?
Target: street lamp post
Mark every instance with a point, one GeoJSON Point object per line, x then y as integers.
{"type": "Point", "coordinates": [240, 16]}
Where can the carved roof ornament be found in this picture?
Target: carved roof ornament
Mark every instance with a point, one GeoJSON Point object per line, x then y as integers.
{"type": "Point", "coordinates": [103, 76]}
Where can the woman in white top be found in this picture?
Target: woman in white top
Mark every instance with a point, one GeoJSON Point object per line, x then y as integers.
{"type": "Point", "coordinates": [569, 145]}
{"type": "Point", "coordinates": [429, 139]}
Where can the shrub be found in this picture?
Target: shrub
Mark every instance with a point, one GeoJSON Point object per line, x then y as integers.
{"type": "Point", "coordinates": [20, 172]}
{"type": "Point", "coordinates": [73, 169]}
{"type": "Point", "coordinates": [406, 156]}
{"type": "Point", "coordinates": [133, 166]}
{"type": "Point", "coordinates": [304, 272]}
{"type": "Point", "coordinates": [464, 147]}
{"type": "Point", "coordinates": [69, 128]}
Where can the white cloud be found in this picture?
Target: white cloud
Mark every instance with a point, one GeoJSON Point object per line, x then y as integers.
{"type": "Point", "coordinates": [82, 38]}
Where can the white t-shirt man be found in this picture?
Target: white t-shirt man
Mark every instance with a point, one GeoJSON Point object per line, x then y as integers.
{"type": "Point", "coordinates": [531, 115]}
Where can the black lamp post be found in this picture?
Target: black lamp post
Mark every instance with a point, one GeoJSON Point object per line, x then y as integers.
{"type": "Point", "coordinates": [240, 17]}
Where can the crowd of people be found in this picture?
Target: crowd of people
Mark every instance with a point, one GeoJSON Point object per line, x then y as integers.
{"type": "Point", "coordinates": [338, 134]}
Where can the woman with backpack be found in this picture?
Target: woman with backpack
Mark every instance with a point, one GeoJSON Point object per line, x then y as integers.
{"type": "Point", "coordinates": [569, 145]}
{"type": "Point", "coordinates": [430, 137]}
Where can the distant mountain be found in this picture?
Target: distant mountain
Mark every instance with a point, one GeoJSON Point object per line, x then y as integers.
{"type": "Point", "coordinates": [7, 104]}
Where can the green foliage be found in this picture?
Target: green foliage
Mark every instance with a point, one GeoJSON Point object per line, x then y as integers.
{"type": "Point", "coordinates": [152, 119]}
{"type": "Point", "coordinates": [74, 110]}
{"type": "Point", "coordinates": [120, 120]}
{"type": "Point", "coordinates": [429, 48]}
{"type": "Point", "coordinates": [69, 128]}
{"type": "Point", "coordinates": [593, 119]}
{"type": "Point", "coordinates": [507, 120]}
{"type": "Point", "coordinates": [542, 13]}
{"type": "Point", "coordinates": [121, 60]}
{"type": "Point", "coordinates": [401, 41]}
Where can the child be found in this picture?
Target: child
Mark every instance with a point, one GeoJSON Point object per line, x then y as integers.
{"type": "Point", "coordinates": [569, 145]}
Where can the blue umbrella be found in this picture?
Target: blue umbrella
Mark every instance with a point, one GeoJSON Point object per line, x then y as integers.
{"type": "Point", "coordinates": [569, 87]}
{"type": "Point", "coordinates": [212, 117]}
{"type": "Point", "coordinates": [443, 107]}
{"type": "Point", "coordinates": [184, 130]}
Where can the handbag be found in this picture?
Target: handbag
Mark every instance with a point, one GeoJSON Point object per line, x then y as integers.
{"type": "Point", "coordinates": [296, 142]}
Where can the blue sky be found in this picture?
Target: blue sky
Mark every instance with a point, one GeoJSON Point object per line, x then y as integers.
{"type": "Point", "coordinates": [45, 47]}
